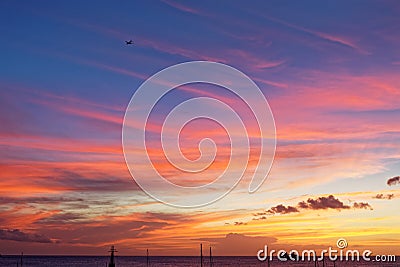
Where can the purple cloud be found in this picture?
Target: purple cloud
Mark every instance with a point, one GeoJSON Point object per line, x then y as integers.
{"type": "Point", "coordinates": [281, 209]}
{"type": "Point", "coordinates": [393, 181]}
{"type": "Point", "coordinates": [17, 235]}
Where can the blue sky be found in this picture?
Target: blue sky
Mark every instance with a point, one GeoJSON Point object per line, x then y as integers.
{"type": "Point", "coordinates": [329, 71]}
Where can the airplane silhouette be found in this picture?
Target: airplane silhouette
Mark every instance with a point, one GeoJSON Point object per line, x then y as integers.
{"type": "Point", "coordinates": [129, 42]}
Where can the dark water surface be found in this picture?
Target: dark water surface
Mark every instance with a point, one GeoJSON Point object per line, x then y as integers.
{"type": "Point", "coordinates": [158, 261]}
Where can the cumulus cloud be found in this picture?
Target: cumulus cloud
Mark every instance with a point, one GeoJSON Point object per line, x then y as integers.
{"type": "Point", "coordinates": [281, 209]}
{"type": "Point", "coordinates": [17, 235]}
{"type": "Point", "coordinates": [362, 205]}
{"type": "Point", "coordinates": [382, 196]}
{"type": "Point", "coordinates": [393, 181]}
{"type": "Point", "coordinates": [329, 202]}
{"type": "Point", "coordinates": [320, 203]}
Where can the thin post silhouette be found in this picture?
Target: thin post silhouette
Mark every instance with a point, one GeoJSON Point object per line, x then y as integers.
{"type": "Point", "coordinates": [22, 254]}
{"type": "Point", "coordinates": [147, 258]}
{"type": "Point", "coordinates": [211, 263]}
{"type": "Point", "coordinates": [201, 254]}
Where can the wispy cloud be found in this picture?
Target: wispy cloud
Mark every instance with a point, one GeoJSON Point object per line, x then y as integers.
{"type": "Point", "coordinates": [238, 244]}
{"type": "Point", "coordinates": [345, 41]}
{"type": "Point", "coordinates": [259, 218]}
{"type": "Point", "coordinates": [182, 7]}
{"type": "Point", "coordinates": [253, 61]}
{"type": "Point", "coordinates": [173, 49]}
{"type": "Point", "coordinates": [17, 235]}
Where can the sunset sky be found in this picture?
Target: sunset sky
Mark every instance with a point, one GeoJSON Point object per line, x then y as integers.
{"type": "Point", "coordinates": [329, 70]}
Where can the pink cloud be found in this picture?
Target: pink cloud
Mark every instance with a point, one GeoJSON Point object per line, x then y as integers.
{"type": "Point", "coordinates": [254, 62]}
{"type": "Point", "coordinates": [345, 41]}
{"type": "Point", "coordinates": [183, 8]}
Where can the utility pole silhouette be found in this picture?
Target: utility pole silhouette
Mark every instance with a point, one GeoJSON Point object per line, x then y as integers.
{"type": "Point", "coordinates": [147, 258]}
{"type": "Point", "coordinates": [201, 254]}
{"type": "Point", "coordinates": [112, 262]}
